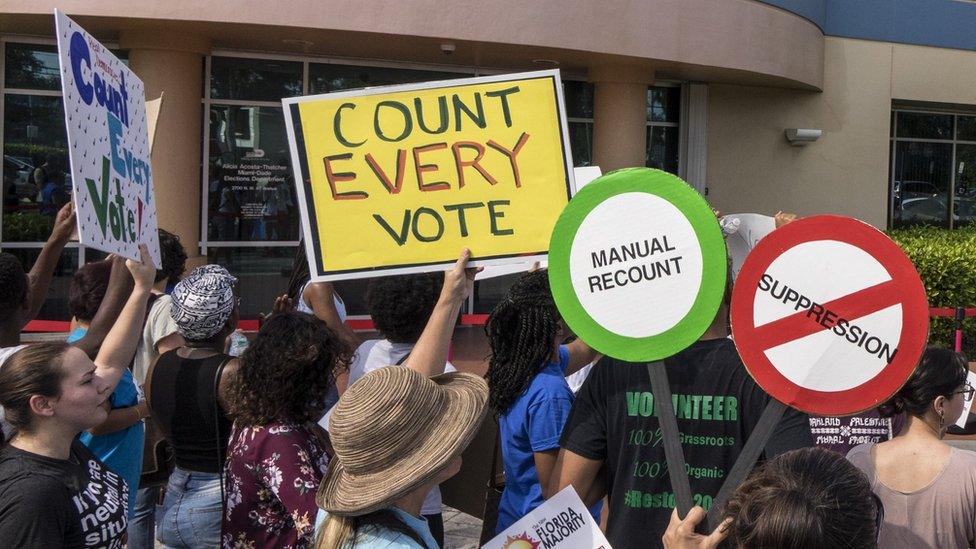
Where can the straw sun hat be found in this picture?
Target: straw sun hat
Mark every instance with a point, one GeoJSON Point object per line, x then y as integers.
{"type": "Point", "coordinates": [393, 431]}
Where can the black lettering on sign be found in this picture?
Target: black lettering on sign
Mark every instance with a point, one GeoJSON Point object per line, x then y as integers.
{"type": "Point", "coordinates": [831, 320]}
{"type": "Point", "coordinates": [428, 225]}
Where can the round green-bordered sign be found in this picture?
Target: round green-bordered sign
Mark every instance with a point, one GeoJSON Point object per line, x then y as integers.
{"type": "Point", "coordinates": [637, 264]}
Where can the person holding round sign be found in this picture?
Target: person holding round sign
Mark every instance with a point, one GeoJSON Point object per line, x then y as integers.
{"type": "Point", "coordinates": [528, 390]}
{"type": "Point", "coordinates": [811, 497]}
{"type": "Point", "coordinates": [639, 270]}
{"type": "Point", "coordinates": [928, 487]}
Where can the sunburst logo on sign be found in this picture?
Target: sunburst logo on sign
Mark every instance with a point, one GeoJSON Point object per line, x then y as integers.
{"type": "Point", "coordinates": [521, 541]}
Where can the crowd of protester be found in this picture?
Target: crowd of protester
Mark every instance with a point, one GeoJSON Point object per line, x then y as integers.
{"type": "Point", "coordinates": [142, 428]}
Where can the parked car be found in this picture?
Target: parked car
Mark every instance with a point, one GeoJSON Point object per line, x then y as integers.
{"type": "Point", "coordinates": [20, 172]}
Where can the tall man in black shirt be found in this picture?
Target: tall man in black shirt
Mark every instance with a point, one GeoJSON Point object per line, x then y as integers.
{"type": "Point", "coordinates": [612, 444]}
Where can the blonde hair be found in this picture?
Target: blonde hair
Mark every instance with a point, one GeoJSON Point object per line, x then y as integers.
{"type": "Point", "coordinates": [335, 532]}
{"type": "Point", "coordinates": [340, 532]}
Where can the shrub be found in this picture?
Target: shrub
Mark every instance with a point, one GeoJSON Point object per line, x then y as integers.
{"type": "Point", "coordinates": [27, 226]}
{"type": "Point", "coordinates": [946, 262]}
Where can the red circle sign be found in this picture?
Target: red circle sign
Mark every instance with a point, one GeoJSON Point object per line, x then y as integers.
{"type": "Point", "coordinates": [829, 315]}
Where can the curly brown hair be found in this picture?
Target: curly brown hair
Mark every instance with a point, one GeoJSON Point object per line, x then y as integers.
{"type": "Point", "coordinates": [287, 371]}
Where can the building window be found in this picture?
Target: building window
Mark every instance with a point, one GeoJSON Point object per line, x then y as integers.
{"type": "Point", "coordinates": [31, 67]}
{"type": "Point", "coordinates": [252, 222]}
{"type": "Point", "coordinates": [326, 78]}
{"type": "Point", "coordinates": [36, 173]}
{"type": "Point", "coordinates": [254, 79]}
{"type": "Point", "coordinates": [663, 137]}
{"type": "Point", "coordinates": [933, 169]}
{"type": "Point", "coordinates": [578, 97]}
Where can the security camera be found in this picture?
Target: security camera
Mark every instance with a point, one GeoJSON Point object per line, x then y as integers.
{"type": "Point", "coordinates": [799, 137]}
{"type": "Point", "coordinates": [447, 48]}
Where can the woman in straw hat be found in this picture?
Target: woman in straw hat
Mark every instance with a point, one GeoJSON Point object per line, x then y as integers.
{"type": "Point", "coordinates": [397, 434]}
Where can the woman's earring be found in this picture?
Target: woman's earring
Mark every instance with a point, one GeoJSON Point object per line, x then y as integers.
{"type": "Point", "coordinates": [941, 423]}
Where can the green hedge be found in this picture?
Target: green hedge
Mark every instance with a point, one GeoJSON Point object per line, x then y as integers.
{"type": "Point", "coordinates": [946, 261]}
{"type": "Point", "coordinates": [36, 153]}
{"type": "Point", "coordinates": [27, 227]}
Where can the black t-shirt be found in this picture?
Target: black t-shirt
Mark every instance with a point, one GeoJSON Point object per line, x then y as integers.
{"type": "Point", "coordinates": [717, 405]}
{"type": "Point", "coordinates": [46, 502]}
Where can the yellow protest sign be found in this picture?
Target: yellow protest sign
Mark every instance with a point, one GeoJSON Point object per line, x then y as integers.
{"type": "Point", "coordinates": [398, 179]}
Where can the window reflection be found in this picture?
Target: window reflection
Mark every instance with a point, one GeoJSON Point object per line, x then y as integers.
{"type": "Point", "coordinates": [324, 78]}
{"type": "Point", "coordinates": [663, 104]}
{"type": "Point", "coordinates": [924, 125]}
{"type": "Point", "coordinates": [254, 79]}
{"type": "Point", "coordinates": [32, 67]}
{"type": "Point", "coordinates": [251, 190]}
{"type": "Point", "coordinates": [920, 190]}
{"type": "Point", "coordinates": [964, 206]}
{"type": "Point", "coordinates": [581, 142]}
{"type": "Point", "coordinates": [36, 172]}
{"type": "Point", "coordinates": [262, 274]}
{"type": "Point", "coordinates": [579, 99]}
{"type": "Point", "coordinates": [662, 148]}
{"type": "Point", "coordinates": [966, 128]}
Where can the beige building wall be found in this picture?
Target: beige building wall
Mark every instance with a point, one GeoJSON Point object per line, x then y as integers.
{"type": "Point", "coordinates": [752, 168]}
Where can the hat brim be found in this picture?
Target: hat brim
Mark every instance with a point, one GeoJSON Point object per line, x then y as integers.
{"type": "Point", "coordinates": [344, 493]}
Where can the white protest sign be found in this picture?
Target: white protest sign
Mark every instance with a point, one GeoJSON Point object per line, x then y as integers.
{"type": "Point", "coordinates": [637, 239]}
{"type": "Point", "coordinates": [561, 522]}
{"type": "Point", "coordinates": [105, 116]}
{"type": "Point", "coordinates": [583, 175]}
{"type": "Point", "coordinates": [829, 315]}
{"type": "Point", "coordinates": [964, 416]}
{"type": "Point", "coordinates": [750, 229]}
{"type": "Point", "coordinates": [153, 108]}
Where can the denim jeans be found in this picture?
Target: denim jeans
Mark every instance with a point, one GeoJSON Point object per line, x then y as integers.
{"type": "Point", "coordinates": [142, 525]}
{"type": "Point", "coordinates": [190, 516]}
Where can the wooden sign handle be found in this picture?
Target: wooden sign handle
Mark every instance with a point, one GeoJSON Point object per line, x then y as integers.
{"type": "Point", "coordinates": [664, 409]}
{"type": "Point", "coordinates": [747, 458]}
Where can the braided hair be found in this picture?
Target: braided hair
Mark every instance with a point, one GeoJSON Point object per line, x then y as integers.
{"type": "Point", "coordinates": [520, 331]}
{"type": "Point", "coordinates": [299, 273]}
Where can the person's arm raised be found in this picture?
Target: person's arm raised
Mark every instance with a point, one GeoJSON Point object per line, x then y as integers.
{"type": "Point", "coordinates": [40, 275]}
{"type": "Point", "coordinates": [121, 342]}
{"type": "Point", "coordinates": [119, 288]}
{"type": "Point", "coordinates": [430, 353]}
{"type": "Point", "coordinates": [321, 298]}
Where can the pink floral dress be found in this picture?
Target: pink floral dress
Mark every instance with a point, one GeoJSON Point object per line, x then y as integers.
{"type": "Point", "coordinates": [272, 473]}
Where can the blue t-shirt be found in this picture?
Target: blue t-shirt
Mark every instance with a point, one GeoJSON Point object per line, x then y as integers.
{"type": "Point", "coordinates": [76, 334]}
{"type": "Point", "coordinates": [533, 423]}
{"type": "Point", "coordinates": [120, 451]}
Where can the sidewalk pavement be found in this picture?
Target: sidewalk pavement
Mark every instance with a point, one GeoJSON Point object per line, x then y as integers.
{"type": "Point", "coordinates": [461, 531]}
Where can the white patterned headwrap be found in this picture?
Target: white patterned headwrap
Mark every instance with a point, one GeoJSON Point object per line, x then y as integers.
{"type": "Point", "coordinates": [203, 301]}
